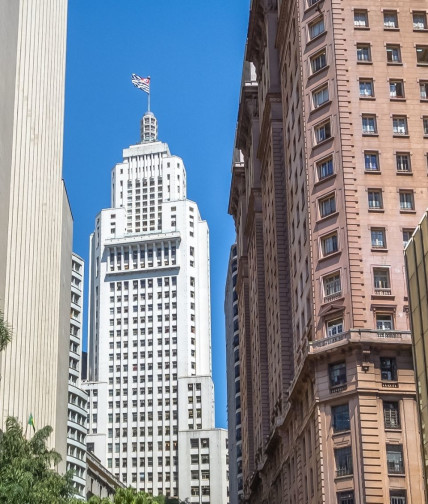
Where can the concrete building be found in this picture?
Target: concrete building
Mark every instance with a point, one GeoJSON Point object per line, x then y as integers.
{"type": "Point", "coordinates": [416, 255]}
{"type": "Point", "coordinates": [35, 218]}
{"type": "Point", "coordinates": [99, 481]}
{"type": "Point", "coordinates": [233, 380]}
{"type": "Point", "coordinates": [329, 189]}
{"type": "Point", "coordinates": [149, 349]}
{"type": "Point", "coordinates": [77, 398]}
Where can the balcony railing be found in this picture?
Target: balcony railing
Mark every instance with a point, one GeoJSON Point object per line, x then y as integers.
{"type": "Point", "coordinates": [383, 291]}
{"type": "Point", "coordinates": [332, 297]}
{"type": "Point", "coordinates": [356, 335]}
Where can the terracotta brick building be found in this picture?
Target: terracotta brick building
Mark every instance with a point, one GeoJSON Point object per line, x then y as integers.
{"type": "Point", "coordinates": [332, 175]}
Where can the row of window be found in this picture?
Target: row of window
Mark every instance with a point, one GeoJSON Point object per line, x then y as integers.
{"type": "Point", "coordinates": [340, 417]}
{"type": "Point", "coordinates": [366, 89]}
{"type": "Point", "coordinates": [394, 460]}
{"type": "Point", "coordinates": [390, 19]}
{"type": "Point", "coordinates": [337, 371]}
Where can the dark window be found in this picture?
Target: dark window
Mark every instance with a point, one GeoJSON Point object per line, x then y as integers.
{"type": "Point", "coordinates": [345, 498]}
{"type": "Point", "coordinates": [397, 497]}
{"type": "Point", "coordinates": [394, 458]}
{"type": "Point", "coordinates": [340, 418]}
{"type": "Point", "coordinates": [391, 415]}
{"type": "Point", "coordinates": [337, 373]}
{"type": "Point", "coordinates": [343, 457]}
{"type": "Point", "coordinates": [388, 368]}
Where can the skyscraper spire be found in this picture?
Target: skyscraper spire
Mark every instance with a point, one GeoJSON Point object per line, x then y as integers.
{"type": "Point", "coordinates": [149, 128]}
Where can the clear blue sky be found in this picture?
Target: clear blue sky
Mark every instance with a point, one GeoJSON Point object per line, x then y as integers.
{"type": "Point", "coordinates": [193, 51]}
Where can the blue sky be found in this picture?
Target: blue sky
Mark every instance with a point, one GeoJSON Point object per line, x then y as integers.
{"type": "Point", "coordinates": [193, 51]}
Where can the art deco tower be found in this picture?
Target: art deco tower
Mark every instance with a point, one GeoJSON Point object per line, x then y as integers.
{"type": "Point", "coordinates": [149, 351]}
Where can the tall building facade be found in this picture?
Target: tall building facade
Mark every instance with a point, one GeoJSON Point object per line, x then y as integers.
{"type": "Point", "coordinates": [416, 256]}
{"type": "Point", "coordinates": [233, 380]}
{"type": "Point", "coordinates": [149, 351]}
{"type": "Point", "coordinates": [77, 398]}
{"type": "Point", "coordinates": [35, 217]}
{"type": "Point", "coordinates": [332, 127]}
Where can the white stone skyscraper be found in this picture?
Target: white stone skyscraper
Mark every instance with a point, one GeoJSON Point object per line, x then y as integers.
{"type": "Point", "coordinates": [151, 418]}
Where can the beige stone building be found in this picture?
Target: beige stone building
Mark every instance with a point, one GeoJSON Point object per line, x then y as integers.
{"type": "Point", "coordinates": [333, 130]}
{"type": "Point", "coordinates": [35, 217]}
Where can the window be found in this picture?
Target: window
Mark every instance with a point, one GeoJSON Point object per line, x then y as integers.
{"type": "Point", "coordinates": [425, 125]}
{"type": "Point", "coordinates": [312, 2]}
{"type": "Point", "coordinates": [419, 21]}
{"type": "Point", "coordinates": [343, 457]}
{"type": "Point", "coordinates": [397, 497]}
{"type": "Point", "coordinates": [332, 287]}
{"type": "Point", "coordinates": [396, 89]}
{"type": "Point", "coordinates": [384, 322]}
{"type": "Point", "coordinates": [345, 497]}
{"type": "Point", "coordinates": [390, 20]}
{"type": "Point", "coordinates": [337, 374]}
{"type": "Point", "coordinates": [378, 237]}
{"type": "Point", "coordinates": [318, 61]}
{"type": "Point", "coordinates": [394, 459]}
{"type": "Point", "coordinates": [329, 244]}
{"type": "Point", "coordinates": [381, 282]}
{"type": "Point", "coordinates": [334, 327]}
{"type": "Point", "coordinates": [325, 168]}
{"type": "Point", "coordinates": [371, 161]}
{"type": "Point", "coordinates": [422, 55]}
{"type": "Point", "coordinates": [407, 200]}
{"type": "Point", "coordinates": [361, 19]}
{"type": "Point", "coordinates": [364, 53]}
{"type": "Point", "coordinates": [403, 162]}
{"type": "Point", "coordinates": [424, 90]}
{"type": "Point", "coordinates": [407, 234]}
{"type": "Point", "coordinates": [369, 125]}
{"type": "Point", "coordinates": [375, 199]}
{"type": "Point", "coordinates": [327, 206]}
{"type": "Point", "coordinates": [391, 415]}
{"type": "Point", "coordinates": [399, 125]}
{"type": "Point", "coordinates": [316, 28]}
{"type": "Point", "coordinates": [320, 96]}
{"type": "Point", "coordinates": [366, 88]}
{"type": "Point", "coordinates": [340, 418]}
{"type": "Point", "coordinates": [322, 132]}
{"type": "Point", "coordinates": [388, 369]}
{"type": "Point", "coordinates": [393, 54]}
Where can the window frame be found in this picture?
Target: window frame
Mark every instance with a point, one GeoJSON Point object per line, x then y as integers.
{"type": "Point", "coordinates": [381, 286]}
{"type": "Point", "coordinates": [316, 56]}
{"type": "Point", "coordinates": [420, 13]}
{"type": "Point", "coordinates": [396, 97]}
{"type": "Point", "coordinates": [364, 26]}
{"type": "Point", "coordinates": [366, 132]}
{"type": "Point", "coordinates": [325, 198]}
{"type": "Point", "coordinates": [378, 230]}
{"type": "Point", "coordinates": [395, 449]}
{"type": "Point", "coordinates": [388, 371]}
{"type": "Point", "coordinates": [375, 190]}
{"type": "Point", "coordinates": [331, 326]}
{"type": "Point", "coordinates": [421, 48]}
{"type": "Point", "coordinates": [394, 13]}
{"type": "Point", "coordinates": [360, 47]}
{"type": "Point", "coordinates": [367, 166]}
{"type": "Point", "coordinates": [396, 129]}
{"type": "Point", "coordinates": [410, 203]}
{"type": "Point", "coordinates": [343, 420]}
{"type": "Point", "coordinates": [343, 456]}
{"type": "Point", "coordinates": [317, 91]}
{"type": "Point", "coordinates": [325, 126]}
{"type": "Point", "coordinates": [399, 157]}
{"type": "Point", "coordinates": [340, 378]}
{"type": "Point", "coordinates": [320, 163]}
{"type": "Point", "coordinates": [318, 20]}
{"type": "Point", "coordinates": [335, 244]}
{"type": "Point", "coordinates": [391, 415]}
{"type": "Point", "coordinates": [389, 54]}
{"type": "Point", "coordinates": [336, 280]}
{"type": "Point", "coordinates": [366, 80]}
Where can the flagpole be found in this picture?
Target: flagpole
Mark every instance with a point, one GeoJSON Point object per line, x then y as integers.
{"type": "Point", "coordinates": [149, 96]}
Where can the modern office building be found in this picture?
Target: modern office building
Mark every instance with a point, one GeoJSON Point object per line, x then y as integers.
{"type": "Point", "coordinates": [77, 398]}
{"type": "Point", "coordinates": [233, 379]}
{"type": "Point", "coordinates": [332, 126]}
{"type": "Point", "coordinates": [35, 218]}
{"type": "Point", "coordinates": [416, 256]}
{"type": "Point", "coordinates": [149, 349]}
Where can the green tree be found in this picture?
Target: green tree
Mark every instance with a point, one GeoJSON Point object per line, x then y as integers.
{"type": "Point", "coordinates": [26, 468]}
{"type": "Point", "coordinates": [5, 332]}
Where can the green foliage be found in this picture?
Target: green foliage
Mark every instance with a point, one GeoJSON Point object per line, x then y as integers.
{"type": "Point", "coordinates": [26, 474]}
{"type": "Point", "coordinates": [5, 332]}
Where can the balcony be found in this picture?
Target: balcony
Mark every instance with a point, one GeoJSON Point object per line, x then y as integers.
{"type": "Point", "coordinates": [332, 297]}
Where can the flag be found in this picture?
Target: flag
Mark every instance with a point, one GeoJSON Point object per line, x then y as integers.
{"type": "Point", "coordinates": [142, 83]}
{"type": "Point", "coordinates": [31, 422]}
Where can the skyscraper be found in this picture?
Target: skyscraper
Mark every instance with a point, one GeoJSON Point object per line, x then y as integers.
{"type": "Point", "coordinates": [35, 217]}
{"type": "Point", "coordinates": [332, 128]}
{"type": "Point", "coordinates": [149, 350]}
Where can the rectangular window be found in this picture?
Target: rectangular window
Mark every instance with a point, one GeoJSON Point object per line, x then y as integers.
{"type": "Point", "coordinates": [399, 125]}
{"type": "Point", "coordinates": [371, 161]}
{"type": "Point", "coordinates": [396, 89]}
{"type": "Point", "coordinates": [340, 418]}
{"type": "Point", "coordinates": [381, 281]}
{"type": "Point", "coordinates": [343, 457]}
{"type": "Point", "coordinates": [391, 414]}
{"type": "Point", "coordinates": [407, 234]}
{"type": "Point", "coordinates": [337, 374]}
{"type": "Point", "coordinates": [325, 168]}
{"type": "Point", "coordinates": [316, 28]}
{"type": "Point", "coordinates": [425, 125]}
{"type": "Point", "coordinates": [423, 86]}
{"type": "Point", "coordinates": [329, 244]}
{"type": "Point", "coordinates": [378, 237]}
{"type": "Point", "coordinates": [345, 497]}
{"type": "Point", "coordinates": [375, 199]}
{"type": "Point", "coordinates": [332, 287]}
{"type": "Point", "coordinates": [327, 206]}
{"type": "Point", "coordinates": [366, 88]}
{"type": "Point", "coordinates": [390, 20]}
{"type": "Point", "coordinates": [369, 125]}
{"type": "Point", "coordinates": [364, 53]}
{"type": "Point", "coordinates": [334, 327]}
{"type": "Point", "coordinates": [419, 21]}
{"type": "Point", "coordinates": [394, 458]}
{"type": "Point", "coordinates": [406, 200]}
{"type": "Point", "coordinates": [318, 61]}
{"type": "Point", "coordinates": [322, 132]}
{"type": "Point", "coordinates": [361, 19]}
{"type": "Point", "coordinates": [320, 96]}
{"type": "Point", "coordinates": [397, 497]}
{"type": "Point", "coordinates": [403, 162]}
{"type": "Point", "coordinates": [388, 369]}
{"type": "Point", "coordinates": [384, 322]}
{"type": "Point", "coordinates": [422, 55]}
{"type": "Point", "coordinates": [393, 54]}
